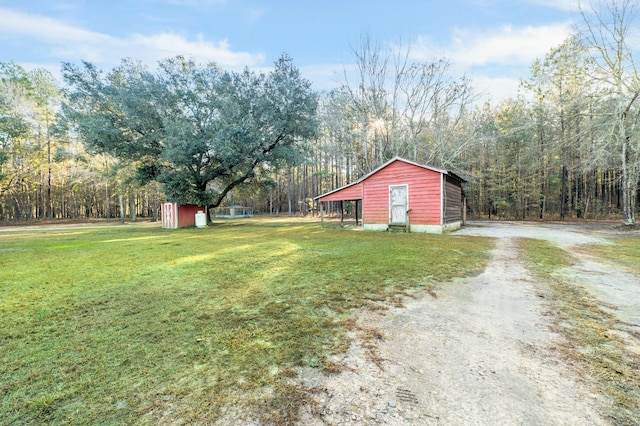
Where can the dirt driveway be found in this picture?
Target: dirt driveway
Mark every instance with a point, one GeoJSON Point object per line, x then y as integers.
{"type": "Point", "coordinates": [479, 352]}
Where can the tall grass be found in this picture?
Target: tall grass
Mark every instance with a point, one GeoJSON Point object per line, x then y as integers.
{"type": "Point", "coordinates": [137, 325]}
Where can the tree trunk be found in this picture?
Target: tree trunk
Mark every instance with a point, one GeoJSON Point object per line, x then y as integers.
{"type": "Point", "coordinates": [48, 206]}
{"type": "Point", "coordinates": [628, 186]}
{"type": "Point", "coordinates": [123, 213]}
{"type": "Point", "coordinates": [563, 194]}
{"type": "Point", "coordinates": [155, 204]}
{"type": "Point", "coordinates": [289, 190]}
{"type": "Point", "coordinates": [132, 207]}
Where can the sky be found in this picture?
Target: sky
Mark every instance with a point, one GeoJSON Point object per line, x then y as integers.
{"type": "Point", "coordinates": [493, 42]}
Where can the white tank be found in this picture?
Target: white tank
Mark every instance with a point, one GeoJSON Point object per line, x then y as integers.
{"type": "Point", "coordinates": [201, 220]}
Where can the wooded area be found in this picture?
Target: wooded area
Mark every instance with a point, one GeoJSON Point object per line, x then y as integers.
{"type": "Point", "coordinates": [116, 144]}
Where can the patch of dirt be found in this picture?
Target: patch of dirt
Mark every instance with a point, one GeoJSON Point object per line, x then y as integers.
{"type": "Point", "coordinates": [482, 352]}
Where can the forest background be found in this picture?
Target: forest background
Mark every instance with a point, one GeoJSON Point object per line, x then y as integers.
{"type": "Point", "coordinates": [566, 146]}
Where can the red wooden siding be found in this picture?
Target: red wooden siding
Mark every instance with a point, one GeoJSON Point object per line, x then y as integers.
{"type": "Point", "coordinates": [424, 194]}
{"type": "Point", "coordinates": [187, 214]}
{"type": "Point", "coordinates": [353, 192]}
{"type": "Point", "coordinates": [424, 185]}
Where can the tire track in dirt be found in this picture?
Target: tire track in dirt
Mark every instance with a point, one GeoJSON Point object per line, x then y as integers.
{"type": "Point", "coordinates": [480, 353]}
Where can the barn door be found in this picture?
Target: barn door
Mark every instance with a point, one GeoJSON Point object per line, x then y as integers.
{"type": "Point", "coordinates": [170, 215]}
{"type": "Point", "coordinates": [398, 204]}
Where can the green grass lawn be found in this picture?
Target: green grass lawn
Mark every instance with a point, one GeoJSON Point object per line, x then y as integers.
{"type": "Point", "coordinates": [138, 325]}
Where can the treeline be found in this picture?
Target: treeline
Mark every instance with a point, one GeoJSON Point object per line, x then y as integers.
{"type": "Point", "coordinates": [46, 173]}
{"type": "Point", "coordinates": [566, 146]}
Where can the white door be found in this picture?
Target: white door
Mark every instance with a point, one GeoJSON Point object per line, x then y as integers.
{"type": "Point", "coordinates": [398, 204]}
{"type": "Point", "coordinates": [170, 215]}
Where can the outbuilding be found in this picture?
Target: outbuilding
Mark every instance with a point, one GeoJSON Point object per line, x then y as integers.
{"type": "Point", "coordinates": [404, 194]}
{"type": "Point", "coordinates": [176, 215]}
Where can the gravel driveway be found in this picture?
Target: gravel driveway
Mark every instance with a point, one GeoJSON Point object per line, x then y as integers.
{"type": "Point", "coordinates": [607, 283]}
{"type": "Point", "coordinates": [479, 352]}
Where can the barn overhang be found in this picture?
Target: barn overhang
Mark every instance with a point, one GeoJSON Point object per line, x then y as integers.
{"type": "Point", "coordinates": [350, 192]}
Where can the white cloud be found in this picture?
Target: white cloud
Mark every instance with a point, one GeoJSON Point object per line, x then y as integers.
{"type": "Point", "coordinates": [568, 5]}
{"type": "Point", "coordinates": [324, 76]}
{"type": "Point", "coordinates": [164, 45]}
{"type": "Point", "coordinates": [255, 14]}
{"type": "Point", "coordinates": [46, 29]}
{"type": "Point", "coordinates": [495, 89]}
{"type": "Point", "coordinates": [495, 59]}
{"type": "Point", "coordinates": [71, 43]}
{"type": "Point", "coordinates": [506, 45]}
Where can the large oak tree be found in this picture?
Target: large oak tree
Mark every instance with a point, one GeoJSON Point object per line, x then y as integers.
{"type": "Point", "coordinates": [198, 129]}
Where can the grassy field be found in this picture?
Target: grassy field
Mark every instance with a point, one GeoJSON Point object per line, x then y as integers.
{"type": "Point", "coordinates": [596, 340]}
{"type": "Point", "coordinates": [137, 325]}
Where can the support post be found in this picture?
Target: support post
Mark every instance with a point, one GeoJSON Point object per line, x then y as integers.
{"type": "Point", "coordinates": [357, 212]}
{"type": "Point", "coordinates": [321, 214]}
{"type": "Point", "coordinates": [464, 211]}
{"type": "Point", "coordinates": [341, 213]}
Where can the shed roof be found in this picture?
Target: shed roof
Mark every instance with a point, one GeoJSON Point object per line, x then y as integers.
{"type": "Point", "coordinates": [393, 160]}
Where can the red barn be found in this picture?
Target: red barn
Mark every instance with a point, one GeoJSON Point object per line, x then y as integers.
{"type": "Point", "coordinates": [406, 194]}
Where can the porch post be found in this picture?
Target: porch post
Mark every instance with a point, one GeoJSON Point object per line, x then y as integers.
{"type": "Point", "coordinates": [357, 212]}
{"type": "Point", "coordinates": [464, 211]}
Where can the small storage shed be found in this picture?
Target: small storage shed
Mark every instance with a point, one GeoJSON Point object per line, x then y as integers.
{"type": "Point", "coordinates": [176, 215]}
{"type": "Point", "coordinates": [401, 193]}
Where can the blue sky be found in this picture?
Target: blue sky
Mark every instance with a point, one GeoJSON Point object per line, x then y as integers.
{"type": "Point", "coordinates": [491, 41]}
